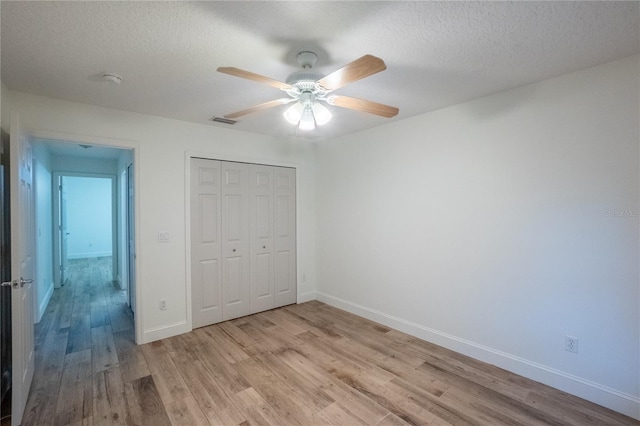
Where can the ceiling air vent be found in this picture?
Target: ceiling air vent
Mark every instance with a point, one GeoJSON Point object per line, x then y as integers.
{"type": "Point", "coordinates": [223, 120]}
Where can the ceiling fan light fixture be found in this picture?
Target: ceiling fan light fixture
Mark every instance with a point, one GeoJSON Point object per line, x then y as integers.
{"type": "Point", "coordinates": [306, 121]}
{"type": "Point", "coordinates": [321, 114]}
{"type": "Point", "coordinates": [309, 90]}
{"type": "Point", "coordinates": [294, 113]}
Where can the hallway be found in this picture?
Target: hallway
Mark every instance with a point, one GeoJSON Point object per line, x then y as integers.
{"type": "Point", "coordinates": [86, 330]}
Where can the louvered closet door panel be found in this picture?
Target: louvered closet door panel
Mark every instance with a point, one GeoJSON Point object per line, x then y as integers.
{"type": "Point", "coordinates": [285, 236]}
{"type": "Point", "coordinates": [235, 240]}
{"type": "Point", "coordinates": [261, 189]}
{"type": "Point", "coordinates": [206, 289]}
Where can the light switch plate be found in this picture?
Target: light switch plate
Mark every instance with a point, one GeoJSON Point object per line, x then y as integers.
{"type": "Point", "coordinates": [164, 237]}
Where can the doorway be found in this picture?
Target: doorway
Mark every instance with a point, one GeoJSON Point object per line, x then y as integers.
{"type": "Point", "coordinates": [86, 222]}
{"type": "Point", "coordinates": [51, 159]}
{"type": "Point", "coordinates": [78, 174]}
{"type": "Point", "coordinates": [91, 306]}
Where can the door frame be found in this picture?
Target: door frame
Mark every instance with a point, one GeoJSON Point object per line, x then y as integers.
{"type": "Point", "coordinates": [130, 235]}
{"type": "Point", "coordinates": [132, 145]}
{"type": "Point", "coordinates": [187, 202]}
{"type": "Point", "coordinates": [5, 269]}
{"type": "Point", "coordinates": [57, 237]}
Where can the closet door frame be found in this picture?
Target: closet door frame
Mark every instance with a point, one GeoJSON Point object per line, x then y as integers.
{"type": "Point", "coordinates": [238, 159]}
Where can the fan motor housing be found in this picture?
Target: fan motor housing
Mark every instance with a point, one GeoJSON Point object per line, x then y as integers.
{"type": "Point", "coordinates": [302, 77]}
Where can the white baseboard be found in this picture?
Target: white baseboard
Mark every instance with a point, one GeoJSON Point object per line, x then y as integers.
{"type": "Point", "coordinates": [180, 327]}
{"type": "Point", "coordinates": [45, 302]}
{"type": "Point", "coordinates": [164, 331]}
{"type": "Point", "coordinates": [602, 395]}
{"type": "Point", "coordinates": [121, 285]}
{"type": "Point", "coordinates": [306, 297]}
{"type": "Point", "coordinates": [89, 255]}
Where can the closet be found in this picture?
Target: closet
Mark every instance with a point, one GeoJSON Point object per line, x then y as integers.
{"type": "Point", "coordinates": [243, 253]}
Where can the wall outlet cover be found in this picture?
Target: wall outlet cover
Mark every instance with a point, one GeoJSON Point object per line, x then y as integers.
{"type": "Point", "coordinates": [571, 344]}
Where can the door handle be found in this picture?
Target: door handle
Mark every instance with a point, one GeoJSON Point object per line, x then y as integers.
{"type": "Point", "coordinates": [16, 284]}
{"type": "Point", "coordinates": [13, 284]}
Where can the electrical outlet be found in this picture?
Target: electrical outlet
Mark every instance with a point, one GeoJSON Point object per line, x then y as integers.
{"type": "Point", "coordinates": [571, 344]}
{"type": "Point", "coordinates": [163, 304]}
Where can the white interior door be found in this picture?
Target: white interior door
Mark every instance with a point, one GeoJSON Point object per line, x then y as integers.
{"type": "Point", "coordinates": [261, 229]}
{"type": "Point", "coordinates": [206, 270]}
{"type": "Point", "coordinates": [285, 236]}
{"type": "Point", "coordinates": [22, 269]}
{"type": "Point", "coordinates": [235, 240]}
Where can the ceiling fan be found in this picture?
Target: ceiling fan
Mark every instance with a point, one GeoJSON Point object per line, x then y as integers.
{"type": "Point", "coordinates": [309, 90]}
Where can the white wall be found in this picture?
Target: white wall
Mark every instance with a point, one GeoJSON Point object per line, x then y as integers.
{"type": "Point", "coordinates": [70, 164]}
{"type": "Point", "coordinates": [161, 146]}
{"type": "Point", "coordinates": [89, 218]}
{"type": "Point", "coordinates": [498, 226]}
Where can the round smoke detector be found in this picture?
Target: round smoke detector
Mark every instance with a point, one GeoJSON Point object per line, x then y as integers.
{"type": "Point", "coordinates": [111, 78]}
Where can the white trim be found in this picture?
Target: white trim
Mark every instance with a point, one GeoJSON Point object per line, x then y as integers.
{"type": "Point", "coordinates": [187, 242]}
{"type": "Point", "coordinates": [306, 297]}
{"type": "Point", "coordinates": [241, 159]}
{"type": "Point", "coordinates": [162, 332]}
{"type": "Point", "coordinates": [75, 138]}
{"type": "Point", "coordinates": [602, 395]}
{"type": "Point", "coordinates": [55, 193]}
{"type": "Point", "coordinates": [121, 285]}
{"type": "Point", "coordinates": [90, 255]}
{"type": "Point", "coordinates": [45, 302]}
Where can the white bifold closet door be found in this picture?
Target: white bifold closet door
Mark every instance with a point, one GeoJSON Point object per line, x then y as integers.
{"type": "Point", "coordinates": [242, 239]}
{"type": "Point", "coordinates": [284, 251]}
{"type": "Point", "coordinates": [273, 224]}
{"type": "Point", "coordinates": [206, 248]}
{"type": "Point", "coordinates": [235, 240]}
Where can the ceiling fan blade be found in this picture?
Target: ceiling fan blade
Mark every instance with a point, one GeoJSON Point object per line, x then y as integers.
{"type": "Point", "coordinates": [237, 72]}
{"type": "Point", "coordinates": [353, 71]}
{"type": "Point", "coordinates": [363, 105]}
{"type": "Point", "coordinates": [259, 107]}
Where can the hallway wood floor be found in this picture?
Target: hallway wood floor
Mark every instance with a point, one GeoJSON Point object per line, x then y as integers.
{"type": "Point", "coordinates": [307, 364]}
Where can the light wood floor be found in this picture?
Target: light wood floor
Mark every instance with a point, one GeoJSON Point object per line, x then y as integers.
{"type": "Point", "coordinates": [307, 364]}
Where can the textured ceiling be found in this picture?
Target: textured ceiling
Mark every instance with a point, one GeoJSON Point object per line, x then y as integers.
{"type": "Point", "coordinates": [437, 53]}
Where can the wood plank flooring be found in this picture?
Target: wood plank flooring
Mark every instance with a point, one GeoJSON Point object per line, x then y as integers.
{"type": "Point", "coordinates": [307, 364]}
